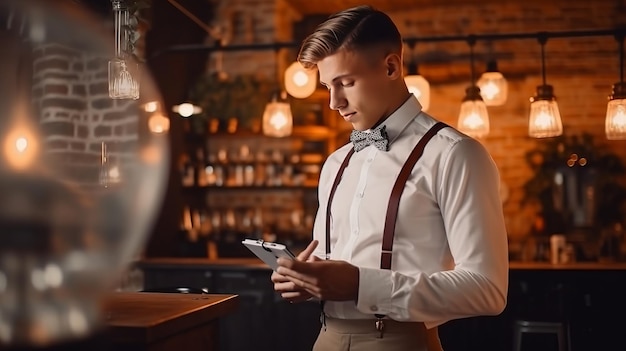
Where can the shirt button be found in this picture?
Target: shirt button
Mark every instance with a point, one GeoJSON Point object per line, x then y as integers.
{"type": "Point", "coordinates": [370, 159]}
{"type": "Point", "coordinates": [360, 194]}
{"type": "Point", "coordinates": [373, 308]}
{"type": "Point", "coordinates": [355, 232]}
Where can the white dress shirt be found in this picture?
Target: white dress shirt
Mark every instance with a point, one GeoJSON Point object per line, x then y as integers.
{"type": "Point", "coordinates": [450, 256]}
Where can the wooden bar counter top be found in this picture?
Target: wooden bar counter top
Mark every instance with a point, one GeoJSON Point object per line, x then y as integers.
{"type": "Point", "coordinates": [165, 321]}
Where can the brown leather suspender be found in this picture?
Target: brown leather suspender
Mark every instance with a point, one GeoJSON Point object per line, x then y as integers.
{"type": "Point", "coordinates": [394, 199]}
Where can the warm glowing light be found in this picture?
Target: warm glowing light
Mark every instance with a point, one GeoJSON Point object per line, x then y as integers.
{"type": "Point", "coordinates": [474, 118]}
{"type": "Point", "coordinates": [151, 106]}
{"type": "Point", "coordinates": [545, 119]}
{"type": "Point", "coordinates": [277, 119]}
{"type": "Point", "coordinates": [300, 78]}
{"type": "Point", "coordinates": [187, 109]}
{"type": "Point", "coordinates": [493, 88]}
{"type": "Point", "coordinates": [615, 125]}
{"type": "Point", "coordinates": [20, 148]}
{"type": "Point", "coordinates": [114, 174]}
{"type": "Point", "coordinates": [419, 86]}
{"type": "Point", "coordinates": [299, 81]}
{"type": "Point", "coordinates": [157, 123]}
{"type": "Point", "coordinates": [21, 144]}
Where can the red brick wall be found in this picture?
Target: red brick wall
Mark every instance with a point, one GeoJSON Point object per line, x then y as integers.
{"type": "Point", "coordinates": [70, 91]}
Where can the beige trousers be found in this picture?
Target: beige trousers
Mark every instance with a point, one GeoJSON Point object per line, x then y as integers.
{"type": "Point", "coordinates": [361, 335]}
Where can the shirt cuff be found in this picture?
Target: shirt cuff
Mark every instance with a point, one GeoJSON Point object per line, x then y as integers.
{"type": "Point", "coordinates": [375, 287]}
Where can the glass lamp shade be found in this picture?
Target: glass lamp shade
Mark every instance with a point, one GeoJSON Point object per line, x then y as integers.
{"type": "Point", "coordinates": [419, 86]}
{"type": "Point", "coordinates": [299, 81]}
{"type": "Point", "coordinates": [473, 117]}
{"type": "Point", "coordinates": [493, 88]}
{"type": "Point", "coordinates": [123, 79]}
{"type": "Point", "coordinates": [77, 201]}
{"type": "Point", "coordinates": [545, 118]}
{"type": "Point", "coordinates": [277, 119]}
{"type": "Point", "coordinates": [615, 125]}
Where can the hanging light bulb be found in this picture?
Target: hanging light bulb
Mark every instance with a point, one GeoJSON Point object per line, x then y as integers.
{"type": "Point", "coordinates": [545, 118]}
{"type": "Point", "coordinates": [187, 109]}
{"type": "Point", "coordinates": [418, 86]}
{"type": "Point", "coordinates": [123, 73]}
{"type": "Point", "coordinates": [277, 119]}
{"type": "Point", "coordinates": [299, 81]}
{"type": "Point", "coordinates": [493, 86]}
{"type": "Point", "coordinates": [473, 117]}
{"type": "Point", "coordinates": [615, 125]}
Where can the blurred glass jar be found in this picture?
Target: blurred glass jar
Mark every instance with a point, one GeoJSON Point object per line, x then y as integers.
{"type": "Point", "coordinates": [81, 175]}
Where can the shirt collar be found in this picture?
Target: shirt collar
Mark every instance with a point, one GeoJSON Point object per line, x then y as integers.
{"type": "Point", "coordinates": [401, 117]}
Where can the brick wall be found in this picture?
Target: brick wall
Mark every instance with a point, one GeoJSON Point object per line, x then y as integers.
{"type": "Point", "coordinates": [70, 91]}
{"type": "Point", "coordinates": [580, 69]}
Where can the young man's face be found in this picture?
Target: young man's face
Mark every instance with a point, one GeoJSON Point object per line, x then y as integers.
{"type": "Point", "coordinates": [358, 83]}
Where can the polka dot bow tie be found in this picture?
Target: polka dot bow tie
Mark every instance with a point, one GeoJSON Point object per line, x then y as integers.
{"type": "Point", "coordinates": [377, 136]}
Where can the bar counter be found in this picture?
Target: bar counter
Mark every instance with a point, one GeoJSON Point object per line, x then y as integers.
{"type": "Point", "coordinates": [585, 295]}
{"type": "Point", "coordinates": [159, 322]}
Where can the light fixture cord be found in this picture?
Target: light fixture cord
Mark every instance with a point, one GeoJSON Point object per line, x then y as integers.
{"type": "Point", "coordinates": [620, 38]}
{"type": "Point", "coordinates": [117, 13]}
{"type": "Point", "coordinates": [277, 73]}
{"type": "Point", "coordinates": [543, 39]}
{"type": "Point", "coordinates": [471, 41]}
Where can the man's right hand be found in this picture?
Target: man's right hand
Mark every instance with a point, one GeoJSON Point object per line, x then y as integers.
{"type": "Point", "coordinates": [287, 289]}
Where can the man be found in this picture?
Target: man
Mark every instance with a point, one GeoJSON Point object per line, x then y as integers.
{"type": "Point", "coordinates": [448, 258]}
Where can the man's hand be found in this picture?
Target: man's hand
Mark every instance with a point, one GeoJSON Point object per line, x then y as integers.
{"type": "Point", "coordinates": [324, 279]}
{"type": "Point", "coordinates": [287, 289]}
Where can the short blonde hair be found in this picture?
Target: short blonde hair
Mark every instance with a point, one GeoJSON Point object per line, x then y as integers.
{"type": "Point", "coordinates": [357, 28]}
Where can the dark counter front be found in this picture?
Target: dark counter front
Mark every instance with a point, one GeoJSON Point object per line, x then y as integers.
{"type": "Point", "coordinates": [588, 296]}
{"type": "Point", "coordinates": [267, 321]}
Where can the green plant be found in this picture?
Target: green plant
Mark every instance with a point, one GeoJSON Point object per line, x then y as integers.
{"type": "Point", "coordinates": [243, 97]}
{"type": "Point", "coordinates": [587, 167]}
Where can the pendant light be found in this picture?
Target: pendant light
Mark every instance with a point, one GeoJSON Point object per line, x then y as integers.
{"type": "Point", "coordinates": [493, 86]}
{"type": "Point", "coordinates": [277, 117]}
{"type": "Point", "coordinates": [123, 73]}
{"type": "Point", "coordinates": [299, 81]}
{"type": "Point", "coordinates": [473, 118]}
{"type": "Point", "coordinates": [415, 82]}
{"type": "Point", "coordinates": [615, 125]}
{"type": "Point", "coordinates": [545, 118]}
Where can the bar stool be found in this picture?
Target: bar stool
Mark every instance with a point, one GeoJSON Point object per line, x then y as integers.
{"type": "Point", "coordinates": [558, 329]}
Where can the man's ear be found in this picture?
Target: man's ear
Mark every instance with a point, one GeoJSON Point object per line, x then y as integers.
{"type": "Point", "coordinates": [393, 62]}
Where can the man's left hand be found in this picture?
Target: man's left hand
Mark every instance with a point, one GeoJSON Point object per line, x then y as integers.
{"type": "Point", "coordinates": [325, 279]}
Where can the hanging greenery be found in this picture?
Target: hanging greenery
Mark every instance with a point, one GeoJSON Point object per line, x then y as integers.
{"type": "Point", "coordinates": [243, 97]}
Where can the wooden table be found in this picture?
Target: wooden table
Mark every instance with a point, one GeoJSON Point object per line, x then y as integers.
{"type": "Point", "coordinates": [161, 321]}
